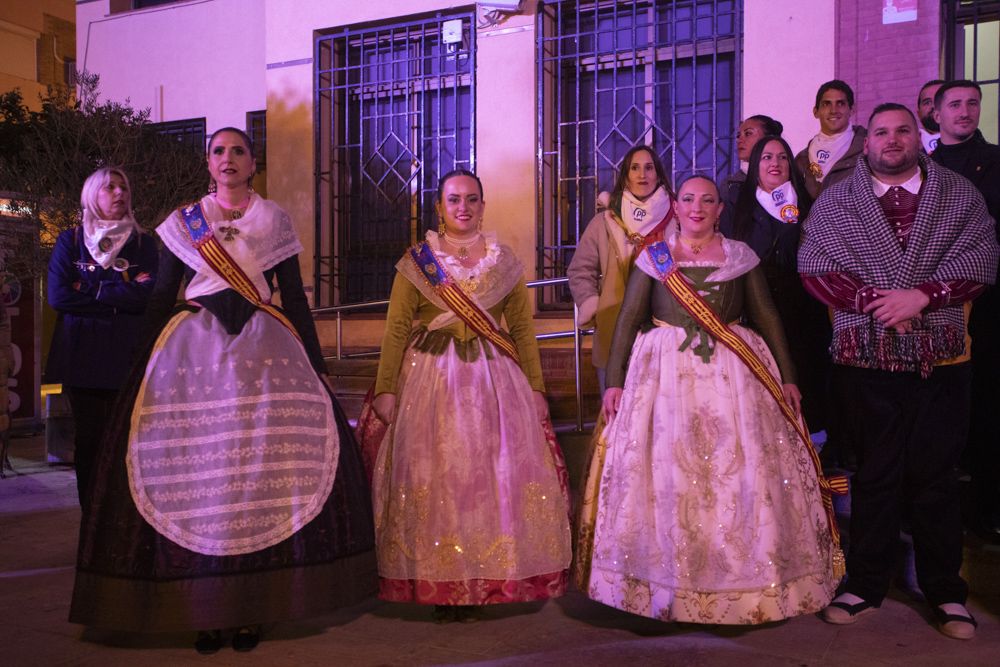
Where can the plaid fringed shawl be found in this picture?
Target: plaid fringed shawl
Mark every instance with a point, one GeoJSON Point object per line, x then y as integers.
{"type": "Point", "coordinates": [952, 239]}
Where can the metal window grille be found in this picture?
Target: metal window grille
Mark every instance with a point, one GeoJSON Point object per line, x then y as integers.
{"type": "Point", "coordinates": [69, 71]}
{"type": "Point", "coordinates": [614, 74]}
{"type": "Point", "coordinates": [972, 51]}
{"type": "Point", "coordinates": [395, 110]}
{"type": "Point", "coordinates": [190, 131]}
{"type": "Point", "coordinates": [257, 131]}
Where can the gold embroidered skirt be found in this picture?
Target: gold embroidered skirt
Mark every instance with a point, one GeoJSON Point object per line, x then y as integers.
{"type": "Point", "coordinates": [702, 505]}
{"type": "Point", "coordinates": [469, 505]}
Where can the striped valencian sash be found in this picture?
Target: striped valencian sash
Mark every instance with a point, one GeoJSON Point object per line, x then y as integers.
{"type": "Point", "coordinates": [703, 314]}
{"type": "Point", "coordinates": [204, 241]}
{"type": "Point", "coordinates": [457, 300]}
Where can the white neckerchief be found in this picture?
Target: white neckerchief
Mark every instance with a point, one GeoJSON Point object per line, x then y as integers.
{"type": "Point", "coordinates": [825, 150]}
{"type": "Point", "coordinates": [739, 259]}
{"type": "Point", "coordinates": [265, 237]}
{"type": "Point", "coordinates": [782, 203]}
{"type": "Point", "coordinates": [929, 140]}
{"type": "Point", "coordinates": [912, 185]}
{"type": "Point", "coordinates": [104, 239]}
{"type": "Point", "coordinates": [642, 216]}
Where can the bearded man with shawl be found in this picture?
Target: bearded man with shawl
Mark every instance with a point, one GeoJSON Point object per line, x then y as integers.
{"type": "Point", "coordinates": [230, 492]}
{"type": "Point", "coordinates": [898, 250]}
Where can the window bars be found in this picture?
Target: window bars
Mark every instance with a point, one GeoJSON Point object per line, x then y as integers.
{"type": "Point", "coordinates": [665, 73]}
{"type": "Point", "coordinates": [394, 111]}
{"type": "Point", "coordinates": [257, 131]}
{"type": "Point", "coordinates": [190, 131]}
{"type": "Point", "coordinates": [972, 51]}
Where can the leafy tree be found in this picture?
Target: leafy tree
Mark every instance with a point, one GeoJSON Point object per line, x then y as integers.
{"type": "Point", "coordinates": [45, 157]}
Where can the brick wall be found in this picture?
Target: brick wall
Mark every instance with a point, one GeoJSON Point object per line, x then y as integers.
{"type": "Point", "coordinates": [55, 46]}
{"type": "Point", "coordinates": [886, 63]}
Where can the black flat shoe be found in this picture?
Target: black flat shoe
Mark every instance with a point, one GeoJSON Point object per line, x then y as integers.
{"type": "Point", "coordinates": [956, 626]}
{"type": "Point", "coordinates": [208, 642]}
{"type": "Point", "coordinates": [467, 613]}
{"type": "Point", "coordinates": [845, 613]}
{"type": "Point", "coordinates": [246, 638]}
{"type": "Point", "coordinates": [443, 613]}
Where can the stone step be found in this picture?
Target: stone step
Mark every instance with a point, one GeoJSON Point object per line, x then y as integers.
{"type": "Point", "coordinates": [352, 377]}
{"type": "Point", "coordinates": [365, 366]}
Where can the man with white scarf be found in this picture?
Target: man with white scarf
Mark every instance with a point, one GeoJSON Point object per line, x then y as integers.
{"type": "Point", "coordinates": [831, 155]}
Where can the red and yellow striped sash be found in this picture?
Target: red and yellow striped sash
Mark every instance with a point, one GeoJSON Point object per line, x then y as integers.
{"type": "Point", "coordinates": [457, 300]}
{"type": "Point", "coordinates": [220, 261]}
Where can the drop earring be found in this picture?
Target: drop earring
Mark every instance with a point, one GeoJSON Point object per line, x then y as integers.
{"type": "Point", "coordinates": [441, 228]}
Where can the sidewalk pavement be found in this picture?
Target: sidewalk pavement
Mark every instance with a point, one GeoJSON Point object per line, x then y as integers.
{"type": "Point", "coordinates": [39, 519]}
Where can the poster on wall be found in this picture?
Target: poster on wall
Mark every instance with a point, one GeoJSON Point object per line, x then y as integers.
{"type": "Point", "coordinates": [898, 11]}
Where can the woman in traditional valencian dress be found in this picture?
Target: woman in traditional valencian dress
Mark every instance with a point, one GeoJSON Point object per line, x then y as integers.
{"type": "Point", "coordinates": [703, 503]}
{"type": "Point", "coordinates": [229, 492]}
{"type": "Point", "coordinates": [633, 216]}
{"type": "Point", "coordinates": [470, 492]}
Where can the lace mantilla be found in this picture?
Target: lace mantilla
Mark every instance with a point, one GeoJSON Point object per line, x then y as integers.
{"type": "Point", "coordinates": [468, 277]}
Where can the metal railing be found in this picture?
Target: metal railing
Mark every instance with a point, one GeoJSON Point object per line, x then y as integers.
{"type": "Point", "coordinates": [576, 334]}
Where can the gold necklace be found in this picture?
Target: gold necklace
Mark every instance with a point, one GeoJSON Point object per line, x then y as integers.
{"type": "Point", "coordinates": [696, 248]}
{"type": "Point", "coordinates": [463, 246]}
{"type": "Point", "coordinates": [234, 213]}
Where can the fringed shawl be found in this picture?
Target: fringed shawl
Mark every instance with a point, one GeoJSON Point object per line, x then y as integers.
{"type": "Point", "coordinates": [952, 239]}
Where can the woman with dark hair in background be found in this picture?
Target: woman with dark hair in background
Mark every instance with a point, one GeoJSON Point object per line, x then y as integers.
{"type": "Point", "coordinates": [100, 277]}
{"type": "Point", "coordinates": [771, 206]}
{"type": "Point", "coordinates": [470, 489]}
{"type": "Point", "coordinates": [230, 492]}
{"type": "Point", "coordinates": [633, 216]}
{"type": "Point", "coordinates": [750, 131]}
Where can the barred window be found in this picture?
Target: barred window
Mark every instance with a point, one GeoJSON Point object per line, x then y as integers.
{"type": "Point", "coordinates": [257, 131]}
{"type": "Point", "coordinates": [972, 51]}
{"type": "Point", "coordinates": [614, 74]}
{"type": "Point", "coordinates": [190, 131]}
{"type": "Point", "coordinates": [395, 110]}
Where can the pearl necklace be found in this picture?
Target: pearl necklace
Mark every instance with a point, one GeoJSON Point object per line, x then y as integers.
{"type": "Point", "coordinates": [462, 245]}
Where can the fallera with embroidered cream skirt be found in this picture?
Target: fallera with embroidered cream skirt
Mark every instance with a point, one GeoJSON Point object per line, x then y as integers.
{"type": "Point", "coordinates": [470, 488]}
{"type": "Point", "coordinates": [703, 503]}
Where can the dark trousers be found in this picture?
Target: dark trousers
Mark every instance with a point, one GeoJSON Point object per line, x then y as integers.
{"type": "Point", "coordinates": [909, 434]}
{"type": "Point", "coordinates": [983, 455]}
{"type": "Point", "coordinates": [91, 409]}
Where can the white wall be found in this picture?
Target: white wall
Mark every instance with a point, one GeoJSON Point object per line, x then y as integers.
{"type": "Point", "coordinates": [789, 49]}
{"type": "Point", "coordinates": [186, 60]}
